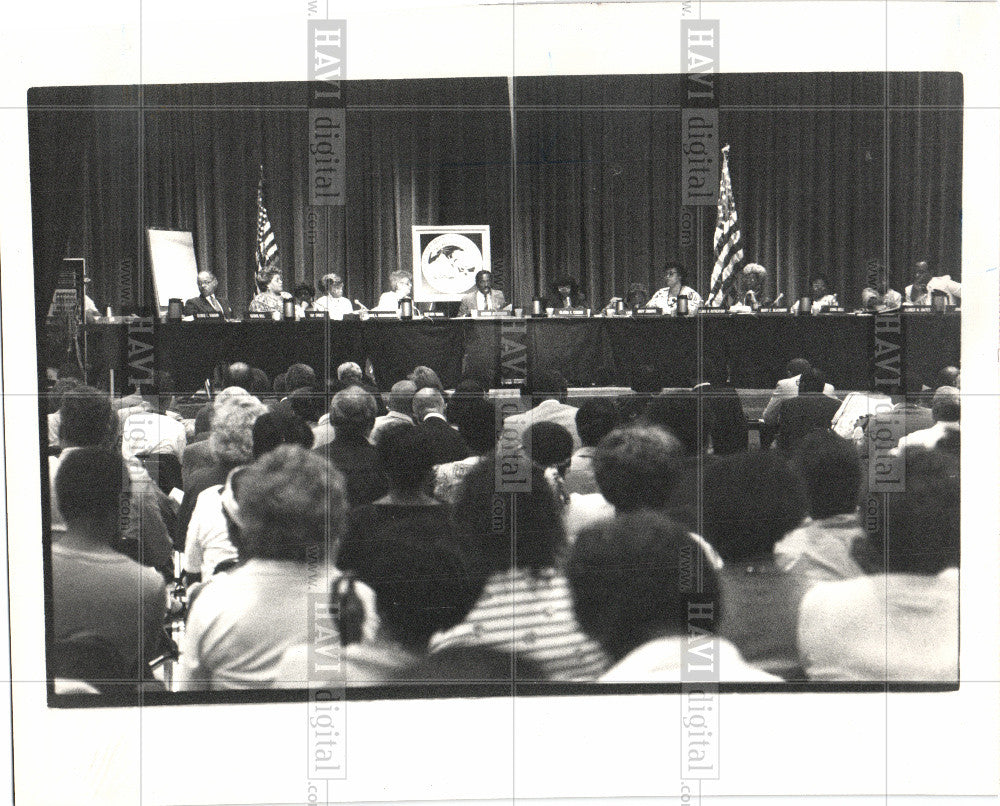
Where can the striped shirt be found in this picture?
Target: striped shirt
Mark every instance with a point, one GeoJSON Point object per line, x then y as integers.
{"type": "Point", "coordinates": [532, 617]}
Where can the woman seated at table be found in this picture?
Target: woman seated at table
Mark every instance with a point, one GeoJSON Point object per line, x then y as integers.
{"type": "Point", "coordinates": [269, 296]}
{"type": "Point", "coordinates": [333, 302]}
{"type": "Point", "coordinates": [673, 286]}
{"type": "Point", "coordinates": [402, 288]}
{"type": "Point", "coordinates": [753, 287]}
{"type": "Point", "coordinates": [566, 294]}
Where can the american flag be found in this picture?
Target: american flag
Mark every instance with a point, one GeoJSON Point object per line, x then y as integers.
{"type": "Point", "coordinates": [267, 249]}
{"type": "Point", "coordinates": [728, 249]}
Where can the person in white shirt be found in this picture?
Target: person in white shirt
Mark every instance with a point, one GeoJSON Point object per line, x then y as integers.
{"type": "Point", "coordinates": [665, 299]}
{"type": "Point", "coordinates": [626, 577]}
{"type": "Point", "coordinates": [549, 391]}
{"type": "Point", "coordinates": [333, 302]}
{"type": "Point", "coordinates": [900, 622]}
{"type": "Point", "coordinates": [401, 285]}
{"type": "Point", "coordinates": [154, 428]}
{"type": "Point", "coordinates": [946, 409]}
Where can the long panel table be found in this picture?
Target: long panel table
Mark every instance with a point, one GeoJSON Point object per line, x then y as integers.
{"type": "Point", "coordinates": [855, 352]}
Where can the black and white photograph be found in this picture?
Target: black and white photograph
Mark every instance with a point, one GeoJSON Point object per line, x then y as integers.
{"type": "Point", "coordinates": [578, 416]}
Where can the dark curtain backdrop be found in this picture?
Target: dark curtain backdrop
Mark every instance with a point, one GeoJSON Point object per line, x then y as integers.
{"type": "Point", "coordinates": [828, 170]}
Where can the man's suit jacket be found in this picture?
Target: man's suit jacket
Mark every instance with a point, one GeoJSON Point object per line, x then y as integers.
{"type": "Point", "coordinates": [786, 388]}
{"type": "Point", "coordinates": [201, 305]}
{"type": "Point", "coordinates": [469, 302]}
{"type": "Point", "coordinates": [358, 460]}
{"type": "Point", "coordinates": [799, 415]}
{"type": "Point", "coordinates": [447, 445]}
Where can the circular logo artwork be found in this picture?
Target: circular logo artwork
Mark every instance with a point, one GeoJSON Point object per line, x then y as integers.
{"type": "Point", "coordinates": [449, 263]}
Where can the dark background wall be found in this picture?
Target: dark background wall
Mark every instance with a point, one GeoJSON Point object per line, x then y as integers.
{"type": "Point", "coordinates": [577, 175]}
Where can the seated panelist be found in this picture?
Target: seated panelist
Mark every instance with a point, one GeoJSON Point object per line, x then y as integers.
{"type": "Point", "coordinates": [484, 298]}
{"type": "Point", "coordinates": [333, 302]}
{"type": "Point", "coordinates": [270, 297]}
{"type": "Point", "coordinates": [402, 288]}
{"type": "Point", "coordinates": [207, 301]}
{"type": "Point", "coordinates": [566, 294]}
{"type": "Point", "coordinates": [673, 286]}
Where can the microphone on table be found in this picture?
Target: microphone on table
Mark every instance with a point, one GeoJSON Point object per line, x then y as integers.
{"type": "Point", "coordinates": [362, 307]}
{"type": "Point", "coordinates": [778, 299]}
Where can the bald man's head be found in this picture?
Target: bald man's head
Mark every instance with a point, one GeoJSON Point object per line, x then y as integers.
{"type": "Point", "coordinates": [427, 401]}
{"type": "Point", "coordinates": [207, 284]}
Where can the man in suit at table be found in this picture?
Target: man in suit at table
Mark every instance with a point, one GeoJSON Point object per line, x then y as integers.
{"type": "Point", "coordinates": [484, 298]}
{"type": "Point", "coordinates": [206, 301]}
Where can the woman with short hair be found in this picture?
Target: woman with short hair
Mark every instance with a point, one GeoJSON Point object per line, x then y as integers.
{"type": "Point", "coordinates": [269, 297]}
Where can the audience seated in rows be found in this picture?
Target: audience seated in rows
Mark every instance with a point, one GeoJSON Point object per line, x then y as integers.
{"type": "Point", "coordinates": [478, 429]}
{"type": "Point", "coordinates": [88, 421]}
{"type": "Point", "coordinates": [230, 445]}
{"type": "Point", "coordinates": [446, 444]}
{"type": "Point", "coordinates": [352, 415]}
{"type": "Point", "coordinates": [548, 392]}
{"type": "Point", "coordinates": [408, 508]}
{"type": "Point", "coordinates": [208, 543]}
{"type": "Point", "coordinates": [627, 576]}
{"type": "Point", "coordinates": [808, 410]}
{"type": "Point", "coordinates": [821, 548]}
{"type": "Point", "coordinates": [514, 544]}
{"type": "Point", "coordinates": [751, 501]}
{"type": "Point", "coordinates": [400, 409]}
{"type": "Point", "coordinates": [946, 410]}
{"type": "Point", "coordinates": [291, 511]}
{"type": "Point", "coordinates": [595, 419]}
{"type": "Point", "coordinates": [900, 621]}
{"type": "Point", "coordinates": [106, 607]}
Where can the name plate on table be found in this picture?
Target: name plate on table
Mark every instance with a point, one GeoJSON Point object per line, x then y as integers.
{"type": "Point", "coordinates": [833, 309]}
{"type": "Point", "coordinates": [434, 315]}
{"type": "Point", "coordinates": [774, 310]}
{"type": "Point", "coordinates": [712, 311]}
{"type": "Point", "coordinates": [571, 312]}
{"type": "Point", "coordinates": [916, 309]}
{"type": "Point", "coordinates": [215, 315]}
{"type": "Point", "coordinates": [648, 312]}
{"type": "Point", "coordinates": [255, 315]}
{"type": "Point", "coordinates": [491, 314]}
{"type": "Point", "coordinates": [384, 314]}
{"type": "Point", "coordinates": [315, 314]}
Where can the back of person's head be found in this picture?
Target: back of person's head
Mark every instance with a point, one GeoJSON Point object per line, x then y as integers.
{"type": "Point", "coordinates": [233, 418]}
{"type": "Point", "coordinates": [637, 467]}
{"type": "Point", "coordinates": [947, 376]}
{"type": "Point", "coordinates": [624, 575]}
{"type": "Point", "coordinates": [401, 397]}
{"type": "Point", "coordinates": [427, 400]}
{"type": "Point", "coordinates": [946, 406]}
{"type": "Point", "coordinates": [86, 418]}
{"type": "Point", "coordinates": [349, 372]}
{"type": "Point", "coordinates": [90, 484]}
{"type": "Point", "coordinates": [407, 457]}
{"type": "Point", "coordinates": [425, 377]}
{"type": "Point", "coordinates": [812, 381]}
{"type": "Point", "coordinates": [307, 403]}
{"type": "Point", "coordinates": [547, 384]}
{"type": "Point", "coordinates": [352, 412]}
{"type": "Point", "coordinates": [421, 586]}
{"type": "Point", "coordinates": [796, 367]}
{"type": "Point", "coordinates": [549, 444]}
{"type": "Point", "coordinates": [829, 467]}
{"type": "Point", "coordinates": [917, 530]}
{"type": "Point", "coordinates": [260, 384]}
{"type": "Point", "coordinates": [279, 386]}
{"type": "Point", "coordinates": [678, 412]}
{"type": "Point", "coordinates": [751, 501]}
{"type": "Point", "coordinates": [291, 501]}
{"type": "Point", "coordinates": [203, 419]}
{"type": "Point", "coordinates": [466, 390]}
{"type": "Point", "coordinates": [240, 374]}
{"type": "Point", "coordinates": [497, 529]}
{"type": "Point", "coordinates": [478, 426]}
{"type": "Point", "coordinates": [279, 427]}
{"type": "Point", "coordinates": [595, 419]}
{"type": "Point", "coordinates": [299, 375]}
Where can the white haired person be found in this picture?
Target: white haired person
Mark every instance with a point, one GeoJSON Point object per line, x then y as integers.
{"type": "Point", "coordinates": [753, 287]}
{"type": "Point", "coordinates": [333, 302]}
{"type": "Point", "coordinates": [401, 284]}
